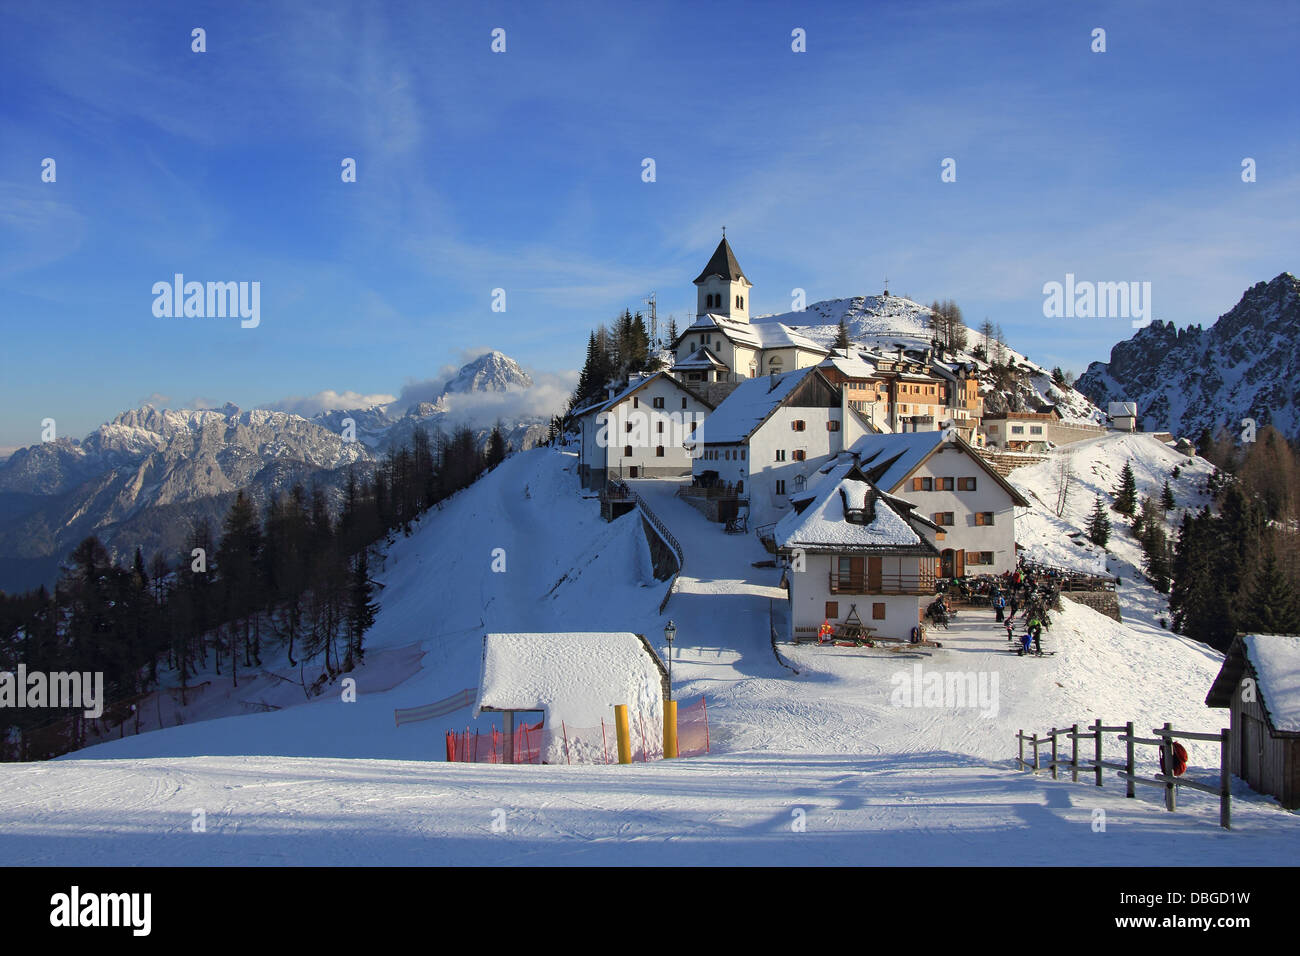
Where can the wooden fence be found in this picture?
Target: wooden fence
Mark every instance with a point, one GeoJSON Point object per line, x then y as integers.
{"type": "Point", "coordinates": [1164, 739]}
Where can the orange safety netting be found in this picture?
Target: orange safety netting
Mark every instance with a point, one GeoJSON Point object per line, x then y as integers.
{"type": "Point", "coordinates": [693, 729]}
{"type": "Point", "coordinates": [489, 746]}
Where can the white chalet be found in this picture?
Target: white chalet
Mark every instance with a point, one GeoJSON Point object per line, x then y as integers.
{"type": "Point", "coordinates": [951, 484]}
{"type": "Point", "coordinates": [856, 551]}
{"type": "Point", "coordinates": [640, 432]}
{"type": "Point", "coordinates": [766, 438]}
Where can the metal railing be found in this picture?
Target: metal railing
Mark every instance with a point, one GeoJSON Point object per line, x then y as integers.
{"type": "Point", "coordinates": [661, 529]}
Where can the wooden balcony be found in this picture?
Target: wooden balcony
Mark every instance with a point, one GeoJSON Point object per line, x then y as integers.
{"type": "Point", "coordinates": [883, 583]}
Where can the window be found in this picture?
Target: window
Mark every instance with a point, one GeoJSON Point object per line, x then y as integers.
{"type": "Point", "coordinates": [878, 611]}
{"type": "Point", "coordinates": [629, 427]}
{"type": "Point", "coordinates": [661, 428]}
{"type": "Point", "coordinates": [1035, 429]}
{"type": "Point", "coordinates": [943, 518]}
{"type": "Point", "coordinates": [728, 454]}
{"type": "Point", "coordinates": [799, 454]}
{"type": "Point", "coordinates": [798, 424]}
{"type": "Point", "coordinates": [636, 402]}
{"type": "Point", "coordinates": [945, 484]}
{"type": "Point", "coordinates": [979, 557]}
{"type": "Point", "coordinates": [965, 484]}
{"type": "Point", "coordinates": [923, 484]}
{"type": "Point", "coordinates": [832, 610]}
{"type": "Point", "coordinates": [1017, 429]}
{"type": "Point", "coordinates": [627, 451]}
{"type": "Point", "coordinates": [683, 402]}
{"type": "Point", "coordinates": [659, 402]}
{"type": "Point", "coordinates": [659, 452]}
{"type": "Point", "coordinates": [780, 486]}
{"type": "Point", "coordinates": [742, 454]}
{"type": "Point", "coordinates": [780, 454]}
{"type": "Point", "coordinates": [832, 426]}
{"type": "Point", "coordinates": [983, 518]}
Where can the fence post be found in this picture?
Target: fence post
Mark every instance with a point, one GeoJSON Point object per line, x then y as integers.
{"type": "Point", "coordinates": [670, 729]}
{"type": "Point", "coordinates": [1225, 779]}
{"type": "Point", "coordinates": [621, 732]}
{"type": "Point", "coordinates": [1128, 732]}
{"type": "Point", "coordinates": [1167, 749]}
{"type": "Point", "coordinates": [1096, 726]}
{"type": "Point", "coordinates": [1020, 745]}
{"type": "Point", "coordinates": [565, 731]}
{"type": "Point", "coordinates": [1034, 741]}
{"type": "Point", "coordinates": [1074, 754]}
{"type": "Point", "coordinates": [1053, 753]}
{"type": "Point", "coordinates": [604, 742]}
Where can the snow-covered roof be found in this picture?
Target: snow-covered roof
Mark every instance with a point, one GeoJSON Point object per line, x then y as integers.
{"type": "Point", "coordinates": [888, 458]}
{"type": "Point", "coordinates": [1122, 410]}
{"type": "Point", "coordinates": [633, 386]}
{"type": "Point", "coordinates": [747, 407]}
{"type": "Point", "coordinates": [575, 677]}
{"type": "Point", "coordinates": [701, 358]}
{"type": "Point", "coordinates": [1276, 661]}
{"type": "Point", "coordinates": [851, 367]}
{"type": "Point", "coordinates": [757, 334]}
{"type": "Point", "coordinates": [879, 523]}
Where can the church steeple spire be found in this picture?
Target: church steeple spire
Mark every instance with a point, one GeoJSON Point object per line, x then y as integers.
{"type": "Point", "coordinates": [722, 288]}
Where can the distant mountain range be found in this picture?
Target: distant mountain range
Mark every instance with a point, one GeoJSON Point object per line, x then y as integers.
{"type": "Point", "coordinates": [1245, 365]}
{"type": "Point", "coordinates": [146, 477]}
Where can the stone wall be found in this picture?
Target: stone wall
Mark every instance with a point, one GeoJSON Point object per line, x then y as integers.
{"type": "Point", "coordinates": [662, 556]}
{"type": "Point", "coordinates": [1104, 602]}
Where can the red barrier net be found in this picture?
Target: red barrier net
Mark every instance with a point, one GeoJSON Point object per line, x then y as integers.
{"type": "Point", "coordinates": [489, 745]}
{"type": "Point", "coordinates": [692, 729]}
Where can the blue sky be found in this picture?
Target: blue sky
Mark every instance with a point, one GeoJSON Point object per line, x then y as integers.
{"type": "Point", "coordinates": [522, 171]}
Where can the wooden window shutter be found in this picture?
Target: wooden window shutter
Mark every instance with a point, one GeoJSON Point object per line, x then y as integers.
{"type": "Point", "coordinates": [916, 484]}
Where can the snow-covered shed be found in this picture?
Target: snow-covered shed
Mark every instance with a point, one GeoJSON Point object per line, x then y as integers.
{"type": "Point", "coordinates": [1123, 415]}
{"type": "Point", "coordinates": [574, 679]}
{"type": "Point", "coordinates": [1259, 683]}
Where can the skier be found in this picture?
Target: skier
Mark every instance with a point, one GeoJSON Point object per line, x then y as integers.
{"type": "Point", "coordinates": [1009, 625]}
{"type": "Point", "coordinates": [1036, 631]}
{"type": "Point", "coordinates": [999, 605]}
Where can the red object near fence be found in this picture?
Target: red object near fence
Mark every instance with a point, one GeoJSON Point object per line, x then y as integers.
{"type": "Point", "coordinates": [693, 729]}
{"type": "Point", "coordinates": [1180, 760]}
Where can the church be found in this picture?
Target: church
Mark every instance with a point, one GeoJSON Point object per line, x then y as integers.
{"type": "Point", "coordinates": [723, 345]}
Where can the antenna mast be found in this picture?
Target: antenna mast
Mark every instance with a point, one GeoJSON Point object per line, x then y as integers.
{"type": "Point", "coordinates": [654, 317]}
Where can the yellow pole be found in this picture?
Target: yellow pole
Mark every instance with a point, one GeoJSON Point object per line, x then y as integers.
{"type": "Point", "coordinates": [670, 729]}
{"type": "Point", "coordinates": [624, 739]}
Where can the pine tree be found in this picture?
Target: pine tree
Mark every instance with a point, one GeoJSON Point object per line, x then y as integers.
{"type": "Point", "coordinates": [495, 452]}
{"type": "Point", "coordinates": [1126, 493]}
{"type": "Point", "coordinates": [1271, 606]}
{"type": "Point", "coordinates": [1167, 497]}
{"type": "Point", "coordinates": [361, 609]}
{"type": "Point", "coordinates": [1099, 524]}
{"type": "Point", "coordinates": [842, 340]}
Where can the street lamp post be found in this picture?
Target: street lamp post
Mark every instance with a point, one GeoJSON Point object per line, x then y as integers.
{"type": "Point", "coordinates": [670, 631]}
